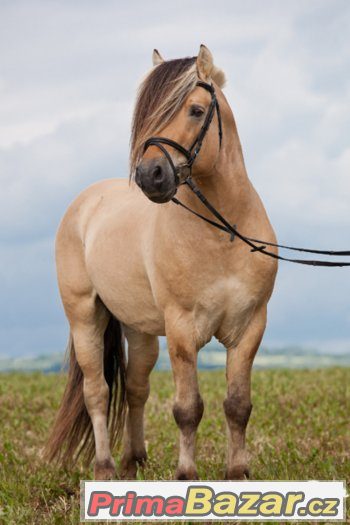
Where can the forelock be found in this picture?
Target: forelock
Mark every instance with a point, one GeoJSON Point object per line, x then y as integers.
{"type": "Point", "coordinates": [159, 98]}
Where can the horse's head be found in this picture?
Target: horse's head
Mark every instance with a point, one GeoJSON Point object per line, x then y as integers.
{"type": "Point", "coordinates": [176, 111]}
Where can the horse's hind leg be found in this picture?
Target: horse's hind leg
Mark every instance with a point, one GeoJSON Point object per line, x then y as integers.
{"type": "Point", "coordinates": [96, 361]}
{"type": "Point", "coordinates": [237, 404]}
{"type": "Point", "coordinates": [88, 328]}
{"type": "Point", "coordinates": [142, 356]}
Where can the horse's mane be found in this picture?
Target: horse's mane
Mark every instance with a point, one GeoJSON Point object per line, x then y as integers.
{"type": "Point", "coordinates": [159, 98]}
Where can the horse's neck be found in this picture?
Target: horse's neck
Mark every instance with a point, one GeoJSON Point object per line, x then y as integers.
{"type": "Point", "coordinates": [227, 187]}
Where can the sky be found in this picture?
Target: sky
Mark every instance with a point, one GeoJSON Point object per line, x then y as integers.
{"type": "Point", "coordinates": [68, 77]}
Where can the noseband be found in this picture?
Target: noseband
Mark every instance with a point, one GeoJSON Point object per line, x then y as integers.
{"type": "Point", "coordinates": [191, 154]}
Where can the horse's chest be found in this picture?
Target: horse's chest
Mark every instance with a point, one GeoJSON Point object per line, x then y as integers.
{"type": "Point", "coordinates": [225, 306]}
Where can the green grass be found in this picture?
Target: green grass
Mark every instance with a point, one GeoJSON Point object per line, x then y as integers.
{"type": "Point", "coordinates": [298, 430]}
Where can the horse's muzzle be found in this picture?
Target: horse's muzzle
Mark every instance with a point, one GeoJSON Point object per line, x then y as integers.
{"type": "Point", "coordinates": [156, 179]}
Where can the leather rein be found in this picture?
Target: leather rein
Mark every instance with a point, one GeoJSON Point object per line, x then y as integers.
{"type": "Point", "coordinates": [191, 154]}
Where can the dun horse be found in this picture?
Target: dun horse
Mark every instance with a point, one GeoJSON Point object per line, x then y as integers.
{"type": "Point", "coordinates": [142, 267]}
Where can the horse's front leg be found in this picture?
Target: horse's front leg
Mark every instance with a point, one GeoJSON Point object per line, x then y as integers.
{"type": "Point", "coordinates": [188, 406]}
{"type": "Point", "coordinates": [237, 404]}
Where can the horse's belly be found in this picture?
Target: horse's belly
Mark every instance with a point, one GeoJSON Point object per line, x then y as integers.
{"type": "Point", "coordinates": [125, 290]}
{"type": "Point", "coordinates": [222, 308]}
{"type": "Point", "coordinates": [139, 311]}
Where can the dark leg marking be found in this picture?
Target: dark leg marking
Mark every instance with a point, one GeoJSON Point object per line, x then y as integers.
{"type": "Point", "coordinates": [189, 418]}
{"type": "Point", "coordinates": [237, 410]}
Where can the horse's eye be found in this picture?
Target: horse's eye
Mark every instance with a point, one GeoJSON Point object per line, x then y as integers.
{"type": "Point", "coordinates": [196, 111]}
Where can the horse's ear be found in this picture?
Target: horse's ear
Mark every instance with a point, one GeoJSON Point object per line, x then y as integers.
{"type": "Point", "coordinates": [157, 58]}
{"type": "Point", "coordinates": [206, 68]}
{"type": "Point", "coordinates": [205, 63]}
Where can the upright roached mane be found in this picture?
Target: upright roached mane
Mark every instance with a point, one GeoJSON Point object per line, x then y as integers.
{"type": "Point", "coordinates": [159, 98]}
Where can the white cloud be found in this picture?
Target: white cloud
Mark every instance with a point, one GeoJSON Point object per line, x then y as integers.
{"type": "Point", "coordinates": [43, 176]}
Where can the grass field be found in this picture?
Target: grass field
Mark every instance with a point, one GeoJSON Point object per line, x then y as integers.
{"type": "Point", "coordinates": [299, 429]}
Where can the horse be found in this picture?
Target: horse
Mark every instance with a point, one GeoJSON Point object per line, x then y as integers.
{"type": "Point", "coordinates": [133, 266]}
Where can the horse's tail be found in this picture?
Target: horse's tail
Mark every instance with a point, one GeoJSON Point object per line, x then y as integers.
{"type": "Point", "coordinates": [72, 433]}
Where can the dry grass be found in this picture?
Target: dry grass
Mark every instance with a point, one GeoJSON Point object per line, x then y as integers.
{"type": "Point", "coordinates": [298, 430]}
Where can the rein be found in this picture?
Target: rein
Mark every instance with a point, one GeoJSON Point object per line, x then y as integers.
{"type": "Point", "coordinates": [191, 155]}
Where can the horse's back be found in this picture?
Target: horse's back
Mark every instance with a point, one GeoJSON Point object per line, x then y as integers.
{"type": "Point", "coordinates": [94, 208]}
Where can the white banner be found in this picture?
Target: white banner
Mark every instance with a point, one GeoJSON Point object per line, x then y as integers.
{"type": "Point", "coordinates": [213, 500]}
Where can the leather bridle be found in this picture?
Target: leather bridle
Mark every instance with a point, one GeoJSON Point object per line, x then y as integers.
{"type": "Point", "coordinates": [191, 154]}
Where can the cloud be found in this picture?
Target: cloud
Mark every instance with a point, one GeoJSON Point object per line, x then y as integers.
{"type": "Point", "coordinates": [68, 79]}
{"type": "Point", "coordinates": [42, 177]}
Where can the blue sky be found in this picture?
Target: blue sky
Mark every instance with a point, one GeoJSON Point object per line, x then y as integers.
{"type": "Point", "coordinates": [68, 77]}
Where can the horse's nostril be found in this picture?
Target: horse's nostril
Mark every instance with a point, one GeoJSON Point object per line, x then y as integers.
{"type": "Point", "coordinates": [157, 174]}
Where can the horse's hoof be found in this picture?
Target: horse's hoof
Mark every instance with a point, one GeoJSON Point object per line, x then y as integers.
{"type": "Point", "coordinates": [104, 470]}
{"type": "Point", "coordinates": [240, 472]}
{"type": "Point", "coordinates": [186, 475]}
{"type": "Point", "coordinates": [129, 470]}
{"type": "Point", "coordinates": [129, 465]}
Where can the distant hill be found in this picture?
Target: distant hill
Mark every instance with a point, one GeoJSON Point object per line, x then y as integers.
{"type": "Point", "coordinates": [213, 355]}
{"type": "Point", "coordinates": [44, 363]}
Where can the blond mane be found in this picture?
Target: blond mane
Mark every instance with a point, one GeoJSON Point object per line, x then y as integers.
{"type": "Point", "coordinates": [159, 98]}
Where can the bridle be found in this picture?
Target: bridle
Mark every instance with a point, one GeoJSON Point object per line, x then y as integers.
{"type": "Point", "coordinates": [191, 154]}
